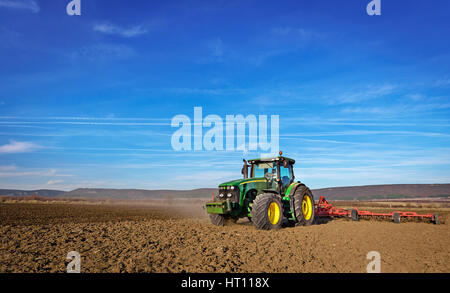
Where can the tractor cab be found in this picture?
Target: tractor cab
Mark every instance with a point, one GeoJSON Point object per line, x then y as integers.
{"type": "Point", "coordinates": [278, 171]}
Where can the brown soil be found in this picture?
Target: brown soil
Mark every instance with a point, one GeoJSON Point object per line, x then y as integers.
{"type": "Point", "coordinates": [153, 237]}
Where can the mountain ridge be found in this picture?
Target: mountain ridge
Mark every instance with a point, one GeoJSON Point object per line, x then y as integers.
{"type": "Point", "coordinates": [365, 192]}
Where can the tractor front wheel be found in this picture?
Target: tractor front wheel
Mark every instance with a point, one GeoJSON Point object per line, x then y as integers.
{"type": "Point", "coordinates": [267, 212]}
{"type": "Point", "coordinates": [304, 206]}
{"type": "Point", "coordinates": [218, 220]}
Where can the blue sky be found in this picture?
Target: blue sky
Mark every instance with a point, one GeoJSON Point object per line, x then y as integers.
{"type": "Point", "coordinates": [87, 101]}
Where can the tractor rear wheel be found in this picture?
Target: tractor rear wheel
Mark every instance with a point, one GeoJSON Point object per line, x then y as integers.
{"type": "Point", "coordinates": [267, 212]}
{"type": "Point", "coordinates": [304, 206]}
{"type": "Point", "coordinates": [218, 220]}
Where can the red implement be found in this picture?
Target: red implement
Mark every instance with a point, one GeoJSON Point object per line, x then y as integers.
{"type": "Point", "coordinates": [326, 209]}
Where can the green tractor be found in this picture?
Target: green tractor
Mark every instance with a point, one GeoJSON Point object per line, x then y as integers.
{"type": "Point", "coordinates": [269, 197]}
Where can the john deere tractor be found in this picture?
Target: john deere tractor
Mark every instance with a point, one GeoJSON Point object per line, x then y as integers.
{"type": "Point", "coordinates": [267, 196]}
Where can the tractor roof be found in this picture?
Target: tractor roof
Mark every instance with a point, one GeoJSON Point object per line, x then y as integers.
{"type": "Point", "coordinates": [272, 159]}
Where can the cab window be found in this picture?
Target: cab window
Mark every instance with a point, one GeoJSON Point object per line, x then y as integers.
{"type": "Point", "coordinates": [259, 170]}
{"type": "Point", "coordinates": [286, 175]}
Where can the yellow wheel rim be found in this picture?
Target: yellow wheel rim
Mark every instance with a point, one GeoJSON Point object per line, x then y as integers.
{"type": "Point", "coordinates": [307, 207]}
{"type": "Point", "coordinates": [274, 213]}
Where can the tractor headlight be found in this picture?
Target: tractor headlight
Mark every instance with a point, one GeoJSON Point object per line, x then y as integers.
{"type": "Point", "coordinates": [229, 195]}
{"type": "Point", "coordinates": [232, 187]}
{"type": "Point", "coordinates": [221, 195]}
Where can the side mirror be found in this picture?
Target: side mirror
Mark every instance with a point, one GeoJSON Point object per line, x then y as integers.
{"type": "Point", "coordinates": [244, 170]}
{"type": "Point", "coordinates": [285, 164]}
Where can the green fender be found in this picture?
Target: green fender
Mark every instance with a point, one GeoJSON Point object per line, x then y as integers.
{"type": "Point", "coordinates": [289, 196]}
{"type": "Point", "coordinates": [290, 190]}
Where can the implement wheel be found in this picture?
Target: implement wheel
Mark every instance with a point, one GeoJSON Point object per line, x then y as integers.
{"type": "Point", "coordinates": [355, 215]}
{"type": "Point", "coordinates": [267, 212]}
{"type": "Point", "coordinates": [396, 218]}
{"type": "Point", "coordinates": [304, 206]}
{"type": "Point", "coordinates": [436, 219]}
{"type": "Point", "coordinates": [218, 220]}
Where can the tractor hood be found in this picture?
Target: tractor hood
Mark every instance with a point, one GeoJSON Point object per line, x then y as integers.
{"type": "Point", "coordinates": [241, 181]}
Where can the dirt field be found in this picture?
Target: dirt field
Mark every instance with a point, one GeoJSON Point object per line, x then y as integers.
{"type": "Point", "coordinates": [151, 237]}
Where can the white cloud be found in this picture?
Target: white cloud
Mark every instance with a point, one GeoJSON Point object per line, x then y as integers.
{"type": "Point", "coordinates": [17, 147]}
{"type": "Point", "coordinates": [30, 5]}
{"type": "Point", "coordinates": [111, 29]}
{"type": "Point", "coordinates": [53, 182]}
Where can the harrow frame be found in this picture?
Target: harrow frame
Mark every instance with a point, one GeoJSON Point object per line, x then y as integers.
{"type": "Point", "coordinates": [325, 209]}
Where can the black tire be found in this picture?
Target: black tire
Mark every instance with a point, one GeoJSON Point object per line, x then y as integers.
{"type": "Point", "coordinates": [396, 217]}
{"type": "Point", "coordinates": [260, 211]}
{"type": "Point", "coordinates": [301, 192]}
{"type": "Point", "coordinates": [355, 215]}
{"type": "Point", "coordinates": [436, 219]}
{"type": "Point", "coordinates": [218, 220]}
{"type": "Point", "coordinates": [232, 219]}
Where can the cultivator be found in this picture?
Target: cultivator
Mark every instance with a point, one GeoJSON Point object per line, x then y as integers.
{"type": "Point", "coordinates": [325, 209]}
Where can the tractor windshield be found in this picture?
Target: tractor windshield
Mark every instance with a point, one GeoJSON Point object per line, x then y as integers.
{"type": "Point", "coordinates": [260, 169]}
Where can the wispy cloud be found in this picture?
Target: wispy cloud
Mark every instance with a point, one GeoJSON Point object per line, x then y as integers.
{"type": "Point", "coordinates": [207, 91]}
{"type": "Point", "coordinates": [83, 118]}
{"type": "Point", "coordinates": [415, 97]}
{"type": "Point", "coordinates": [125, 32]}
{"type": "Point", "coordinates": [215, 51]}
{"type": "Point", "coordinates": [369, 92]}
{"type": "Point", "coordinates": [444, 82]}
{"type": "Point", "coordinates": [17, 147]}
{"type": "Point", "coordinates": [104, 51]}
{"type": "Point", "coordinates": [217, 47]}
{"type": "Point", "coordinates": [35, 173]}
{"type": "Point", "coordinates": [10, 38]}
{"type": "Point", "coordinates": [397, 109]}
{"type": "Point", "coordinates": [53, 182]}
{"type": "Point", "coordinates": [273, 43]}
{"type": "Point", "coordinates": [302, 34]}
{"type": "Point", "coordinates": [86, 123]}
{"type": "Point", "coordinates": [29, 5]}
{"type": "Point", "coordinates": [8, 168]}
{"type": "Point", "coordinates": [365, 133]}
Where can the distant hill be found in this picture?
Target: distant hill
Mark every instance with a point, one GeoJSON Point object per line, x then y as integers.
{"type": "Point", "coordinates": [137, 193]}
{"type": "Point", "coordinates": [40, 192]}
{"type": "Point", "coordinates": [373, 192]}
